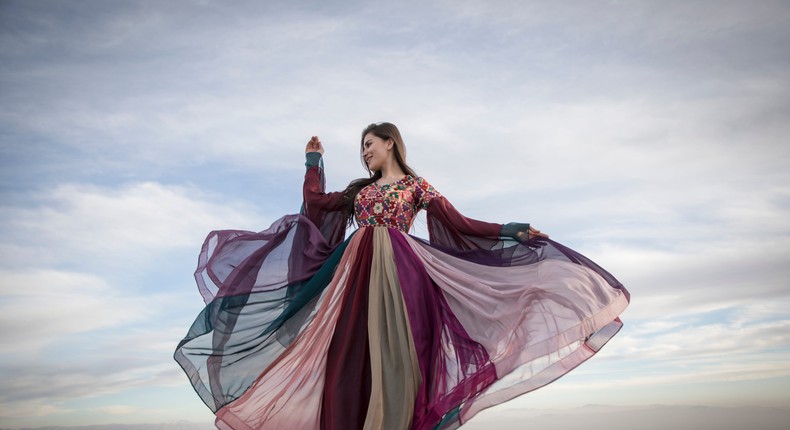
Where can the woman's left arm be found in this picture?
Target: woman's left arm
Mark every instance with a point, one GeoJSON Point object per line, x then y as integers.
{"type": "Point", "coordinates": [440, 210]}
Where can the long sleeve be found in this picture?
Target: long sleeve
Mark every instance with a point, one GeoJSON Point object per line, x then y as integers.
{"type": "Point", "coordinates": [447, 226]}
{"type": "Point", "coordinates": [316, 199]}
{"type": "Point", "coordinates": [325, 210]}
{"type": "Point", "coordinates": [454, 222]}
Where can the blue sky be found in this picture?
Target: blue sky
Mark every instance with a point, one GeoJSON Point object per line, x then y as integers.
{"type": "Point", "coordinates": [651, 136]}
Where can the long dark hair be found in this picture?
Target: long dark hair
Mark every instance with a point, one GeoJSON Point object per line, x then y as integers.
{"type": "Point", "coordinates": [382, 130]}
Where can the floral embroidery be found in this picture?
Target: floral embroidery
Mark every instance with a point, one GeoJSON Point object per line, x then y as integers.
{"type": "Point", "coordinates": [393, 205]}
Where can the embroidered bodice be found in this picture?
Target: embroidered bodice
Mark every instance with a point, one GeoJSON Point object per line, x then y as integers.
{"type": "Point", "coordinates": [393, 205]}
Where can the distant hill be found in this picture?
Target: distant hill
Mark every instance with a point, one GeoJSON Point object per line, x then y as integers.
{"type": "Point", "coordinates": [591, 417]}
{"type": "Point", "coordinates": [653, 417]}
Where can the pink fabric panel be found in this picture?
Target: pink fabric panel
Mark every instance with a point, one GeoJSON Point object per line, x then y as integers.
{"type": "Point", "coordinates": [535, 374]}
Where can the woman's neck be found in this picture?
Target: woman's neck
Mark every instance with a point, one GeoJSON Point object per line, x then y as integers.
{"type": "Point", "coordinates": [391, 171]}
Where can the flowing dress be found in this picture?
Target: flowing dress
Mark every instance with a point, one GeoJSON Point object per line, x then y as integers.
{"type": "Point", "coordinates": [305, 329]}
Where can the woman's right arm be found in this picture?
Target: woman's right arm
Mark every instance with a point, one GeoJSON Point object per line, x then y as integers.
{"type": "Point", "coordinates": [316, 200]}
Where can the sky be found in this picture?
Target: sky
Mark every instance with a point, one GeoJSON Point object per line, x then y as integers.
{"type": "Point", "coordinates": [652, 136]}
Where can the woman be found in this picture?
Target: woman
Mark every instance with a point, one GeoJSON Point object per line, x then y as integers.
{"type": "Point", "coordinates": [306, 330]}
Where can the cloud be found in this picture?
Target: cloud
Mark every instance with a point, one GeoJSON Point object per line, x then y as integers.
{"type": "Point", "coordinates": [269, 66]}
{"type": "Point", "coordinates": [94, 330]}
{"type": "Point", "coordinates": [706, 343]}
{"type": "Point", "coordinates": [72, 335]}
{"type": "Point", "coordinates": [114, 88]}
{"type": "Point", "coordinates": [45, 305]}
{"type": "Point", "coordinates": [11, 409]}
{"type": "Point", "coordinates": [56, 383]}
{"type": "Point", "coordinates": [91, 226]}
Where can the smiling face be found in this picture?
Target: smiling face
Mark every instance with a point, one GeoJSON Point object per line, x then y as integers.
{"type": "Point", "coordinates": [375, 151]}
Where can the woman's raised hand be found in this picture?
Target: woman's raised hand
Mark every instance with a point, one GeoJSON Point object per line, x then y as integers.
{"type": "Point", "coordinates": [314, 145]}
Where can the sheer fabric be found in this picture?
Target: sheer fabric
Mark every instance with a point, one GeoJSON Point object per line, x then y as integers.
{"type": "Point", "coordinates": [303, 329]}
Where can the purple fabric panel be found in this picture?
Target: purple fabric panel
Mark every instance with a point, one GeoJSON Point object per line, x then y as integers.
{"type": "Point", "coordinates": [478, 242]}
{"type": "Point", "coordinates": [512, 253]}
{"type": "Point", "coordinates": [506, 253]}
{"type": "Point", "coordinates": [421, 303]}
{"type": "Point", "coordinates": [208, 285]}
{"type": "Point", "coordinates": [241, 262]}
{"type": "Point", "coordinates": [454, 367]}
{"type": "Point", "coordinates": [290, 250]}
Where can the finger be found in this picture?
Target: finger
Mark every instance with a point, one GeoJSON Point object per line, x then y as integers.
{"type": "Point", "coordinates": [536, 242]}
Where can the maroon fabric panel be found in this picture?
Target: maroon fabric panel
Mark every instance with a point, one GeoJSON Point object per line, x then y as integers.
{"type": "Point", "coordinates": [347, 385]}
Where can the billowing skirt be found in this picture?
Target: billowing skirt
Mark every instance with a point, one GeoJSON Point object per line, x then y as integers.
{"type": "Point", "coordinates": [384, 330]}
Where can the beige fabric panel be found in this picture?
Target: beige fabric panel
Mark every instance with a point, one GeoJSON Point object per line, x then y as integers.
{"type": "Point", "coordinates": [393, 359]}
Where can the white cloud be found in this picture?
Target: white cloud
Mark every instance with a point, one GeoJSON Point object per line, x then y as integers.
{"type": "Point", "coordinates": [95, 226]}
{"type": "Point", "coordinates": [76, 334]}
{"type": "Point", "coordinates": [25, 409]}
{"type": "Point", "coordinates": [45, 306]}
{"type": "Point", "coordinates": [71, 335]}
{"type": "Point", "coordinates": [696, 279]}
{"type": "Point", "coordinates": [696, 343]}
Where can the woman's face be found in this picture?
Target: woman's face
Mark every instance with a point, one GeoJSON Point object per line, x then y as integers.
{"type": "Point", "coordinates": [375, 151]}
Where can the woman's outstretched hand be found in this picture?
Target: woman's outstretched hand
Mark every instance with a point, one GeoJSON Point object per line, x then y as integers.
{"type": "Point", "coordinates": [524, 233]}
{"type": "Point", "coordinates": [314, 145]}
{"type": "Point", "coordinates": [533, 233]}
{"type": "Point", "coordinates": [532, 237]}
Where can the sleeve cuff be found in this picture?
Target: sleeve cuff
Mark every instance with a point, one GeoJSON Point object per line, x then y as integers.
{"type": "Point", "coordinates": [313, 159]}
{"type": "Point", "coordinates": [512, 229]}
